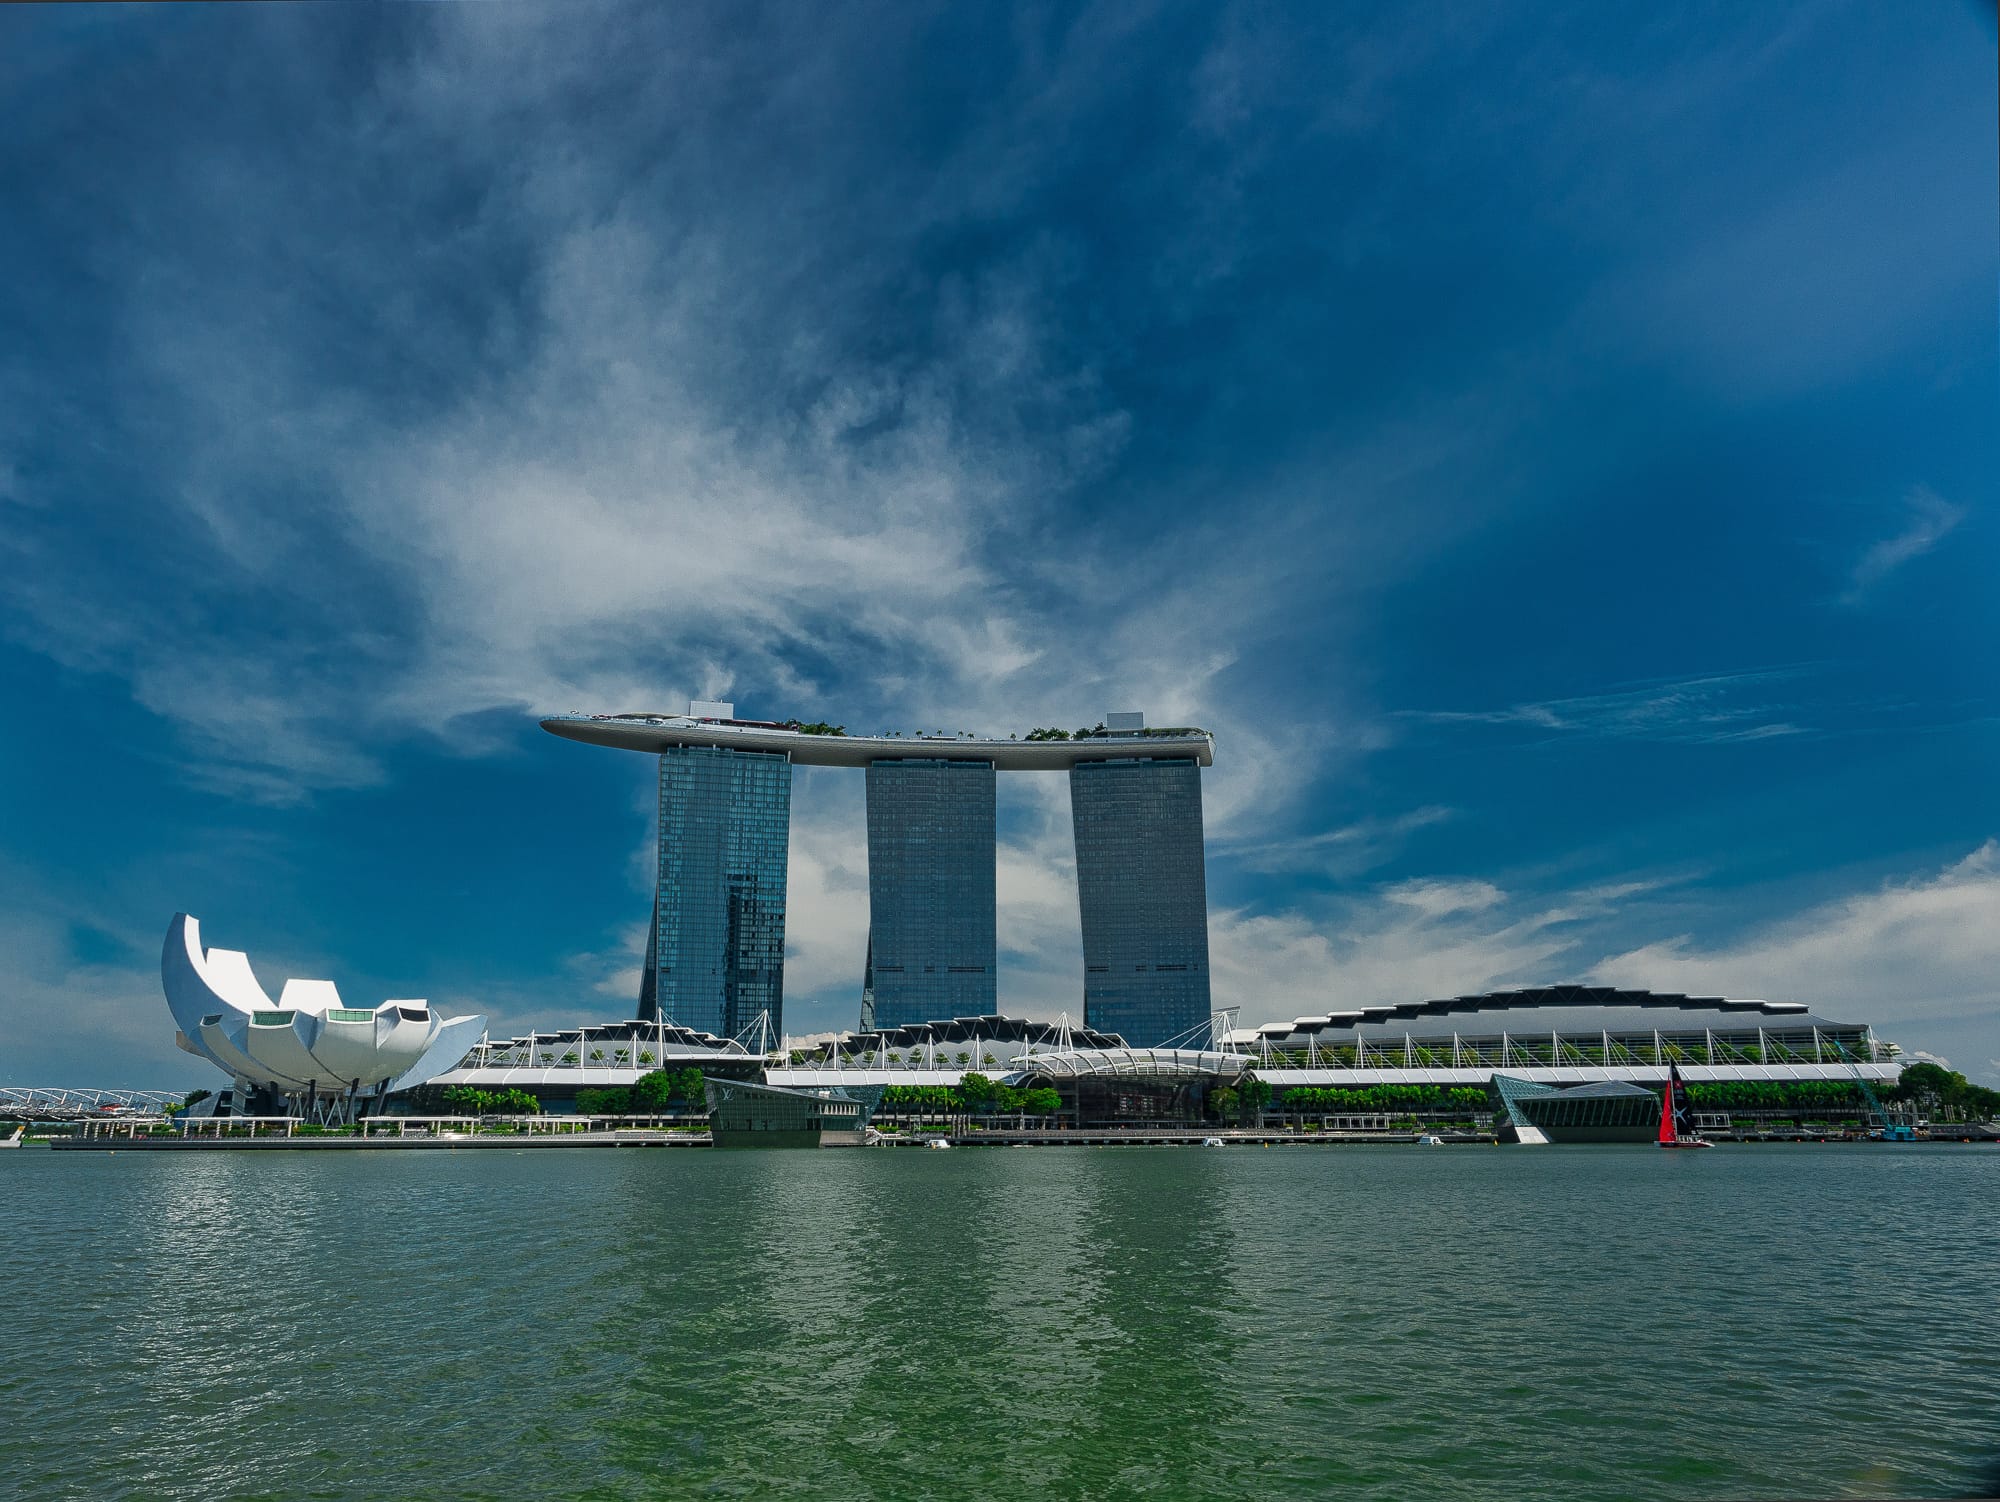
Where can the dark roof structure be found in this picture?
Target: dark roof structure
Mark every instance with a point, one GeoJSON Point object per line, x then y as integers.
{"type": "Point", "coordinates": [1567, 1009]}
{"type": "Point", "coordinates": [995, 1028]}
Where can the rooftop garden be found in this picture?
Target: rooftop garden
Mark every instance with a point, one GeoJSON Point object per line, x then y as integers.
{"type": "Point", "coordinates": [1090, 732]}
{"type": "Point", "coordinates": [822, 727]}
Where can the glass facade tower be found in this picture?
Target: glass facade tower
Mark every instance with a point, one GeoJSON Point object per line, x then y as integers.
{"type": "Point", "coordinates": [931, 905]}
{"type": "Point", "coordinates": [716, 955]}
{"type": "Point", "coordinates": [1143, 895]}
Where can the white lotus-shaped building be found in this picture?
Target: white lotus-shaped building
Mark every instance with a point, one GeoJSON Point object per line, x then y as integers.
{"type": "Point", "coordinates": [308, 1042]}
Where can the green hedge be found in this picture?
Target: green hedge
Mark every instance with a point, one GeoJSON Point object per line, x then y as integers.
{"type": "Point", "coordinates": [973, 1096]}
{"type": "Point", "coordinates": [1325, 1100]}
{"type": "Point", "coordinates": [1778, 1095]}
{"type": "Point", "coordinates": [465, 1100]}
{"type": "Point", "coordinates": [658, 1093]}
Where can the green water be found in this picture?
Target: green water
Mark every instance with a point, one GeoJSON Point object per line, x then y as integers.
{"type": "Point", "coordinates": [1360, 1322]}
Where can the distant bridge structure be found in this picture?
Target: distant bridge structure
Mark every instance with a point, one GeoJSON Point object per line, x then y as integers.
{"type": "Point", "coordinates": [61, 1103]}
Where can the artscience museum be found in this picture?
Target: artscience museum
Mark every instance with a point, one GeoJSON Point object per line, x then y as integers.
{"type": "Point", "coordinates": [308, 1053]}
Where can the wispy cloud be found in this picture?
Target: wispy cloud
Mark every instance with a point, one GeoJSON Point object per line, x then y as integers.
{"type": "Point", "coordinates": [433, 366]}
{"type": "Point", "coordinates": [1714, 709]}
{"type": "Point", "coordinates": [1405, 943]}
{"type": "Point", "coordinates": [1916, 956]}
{"type": "Point", "coordinates": [632, 433]}
{"type": "Point", "coordinates": [1922, 948]}
{"type": "Point", "coordinates": [1929, 519]}
{"type": "Point", "coordinates": [1345, 850]}
{"type": "Point", "coordinates": [71, 1021]}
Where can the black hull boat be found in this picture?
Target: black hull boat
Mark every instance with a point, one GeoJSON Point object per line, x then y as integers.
{"type": "Point", "coordinates": [1677, 1114]}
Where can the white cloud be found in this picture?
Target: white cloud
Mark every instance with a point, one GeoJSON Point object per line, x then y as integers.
{"type": "Point", "coordinates": [651, 423]}
{"type": "Point", "coordinates": [826, 904]}
{"type": "Point", "coordinates": [1917, 957]}
{"type": "Point", "coordinates": [1928, 948]}
{"type": "Point", "coordinates": [1931, 519]}
{"type": "Point", "coordinates": [1403, 942]}
{"type": "Point", "coordinates": [1434, 898]}
{"type": "Point", "coordinates": [1345, 850]}
{"type": "Point", "coordinates": [1713, 709]}
{"type": "Point", "coordinates": [67, 1022]}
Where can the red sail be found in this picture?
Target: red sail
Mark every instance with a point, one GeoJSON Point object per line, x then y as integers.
{"type": "Point", "coordinates": [1667, 1113]}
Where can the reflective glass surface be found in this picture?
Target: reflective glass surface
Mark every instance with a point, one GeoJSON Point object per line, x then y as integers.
{"type": "Point", "coordinates": [1144, 897]}
{"type": "Point", "coordinates": [716, 956]}
{"type": "Point", "coordinates": [930, 891]}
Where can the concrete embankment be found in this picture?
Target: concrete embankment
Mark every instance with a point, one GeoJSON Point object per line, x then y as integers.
{"type": "Point", "coordinates": [276, 1143]}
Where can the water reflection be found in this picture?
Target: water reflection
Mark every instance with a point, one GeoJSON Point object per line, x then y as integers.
{"type": "Point", "coordinates": [1294, 1323]}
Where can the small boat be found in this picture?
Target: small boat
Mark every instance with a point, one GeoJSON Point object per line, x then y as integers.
{"type": "Point", "coordinates": [1430, 1139]}
{"type": "Point", "coordinates": [15, 1140]}
{"type": "Point", "coordinates": [1211, 1142]}
{"type": "Point", "coordinates": [937, 1142]}
{"type": "Point", "coordinates": [1677, 1114]}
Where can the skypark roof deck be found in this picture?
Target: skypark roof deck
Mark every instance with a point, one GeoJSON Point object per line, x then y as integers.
{"type": "Point", "coordinates": [656, 733]}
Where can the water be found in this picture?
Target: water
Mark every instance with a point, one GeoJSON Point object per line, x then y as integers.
{"type": "Point", "coordinates": [1361, 1322]}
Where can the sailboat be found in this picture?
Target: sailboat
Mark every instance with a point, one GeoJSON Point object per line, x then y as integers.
{"type": "Point", "coordinates": [1677, 1114]}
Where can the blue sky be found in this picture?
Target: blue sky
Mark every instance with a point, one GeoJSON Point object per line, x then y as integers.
{"type": "Point", "coordinates": [1553, 448]}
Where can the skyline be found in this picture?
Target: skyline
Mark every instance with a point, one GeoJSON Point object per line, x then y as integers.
{"type": "Point", "coordinates": [1553, 454]}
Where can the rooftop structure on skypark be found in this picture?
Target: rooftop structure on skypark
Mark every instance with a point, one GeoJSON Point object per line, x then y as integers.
{"type": "Point", "coordinates": [308, 1052]}
{"type": "Point", "coordinates": [715, 726]}
{"type": "Point", "coordinates": [715, 947]}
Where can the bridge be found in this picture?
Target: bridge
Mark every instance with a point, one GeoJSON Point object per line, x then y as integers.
{"type": "Point", "coordinates": [62, 1103]}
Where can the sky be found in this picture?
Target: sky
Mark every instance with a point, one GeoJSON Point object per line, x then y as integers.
{"type": "Point", "coordinates": [1552, 447]}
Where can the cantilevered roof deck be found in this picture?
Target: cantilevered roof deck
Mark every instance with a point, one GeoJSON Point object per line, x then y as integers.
{"type": "Point", "coordinates": [656, 733]}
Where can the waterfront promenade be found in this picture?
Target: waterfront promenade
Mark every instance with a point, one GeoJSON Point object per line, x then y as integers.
{"type": "Point", "coordinates": [412, 1134]}
{"type": "Point", "coordinates": [388, 1133]}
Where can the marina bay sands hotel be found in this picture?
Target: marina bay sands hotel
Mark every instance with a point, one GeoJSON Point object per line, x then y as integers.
{"type": "Point", "coordinates": [715, 958]}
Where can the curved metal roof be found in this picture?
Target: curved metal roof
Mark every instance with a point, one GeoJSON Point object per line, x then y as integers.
{"type": "Point", "coordinates": [1128, 1063]}
{"type": "Point", "coordinates": [1562, 1008]}
{"type": "Point", "coordinates": [994, 1028]}
{"type": "Point", "coordinates": [656, 733]}
{"type": "Point", "coordinates": [309, 1041]}
{"type": "Point", "coordinates": [670, 1035]}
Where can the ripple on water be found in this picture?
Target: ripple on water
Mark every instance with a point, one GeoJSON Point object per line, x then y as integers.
{"type": "Point", "coordinates": [1573, 1323]}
